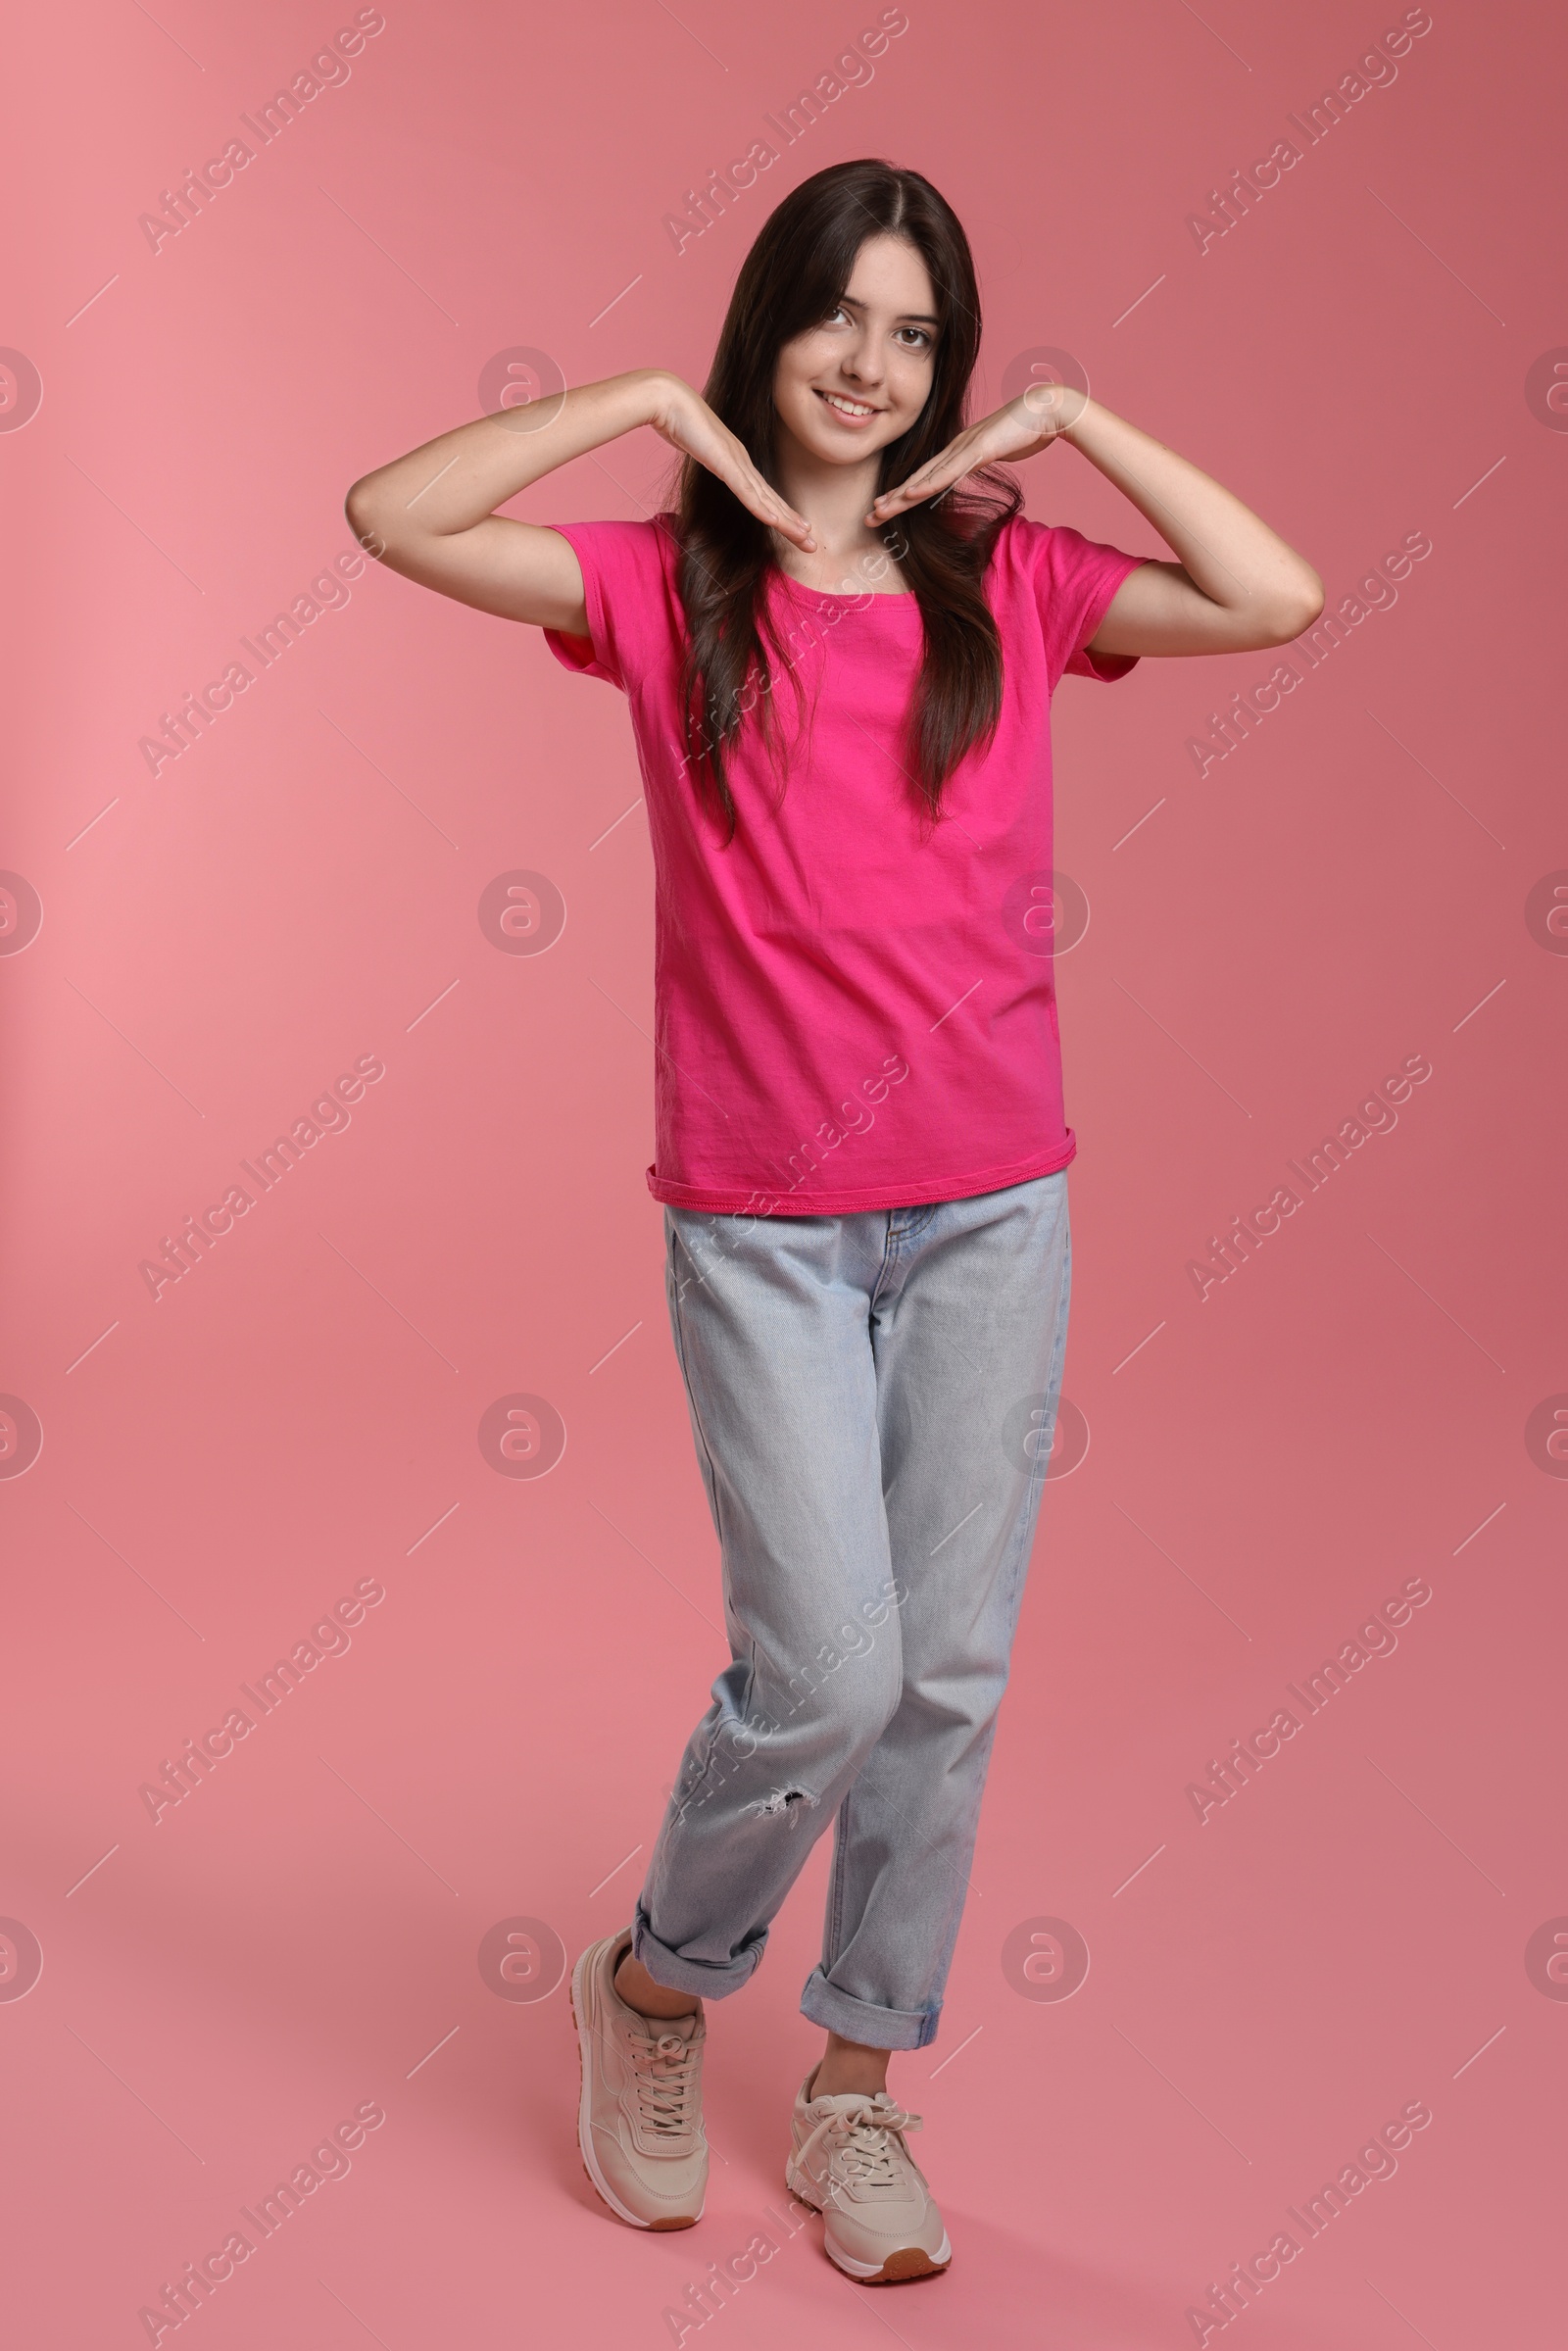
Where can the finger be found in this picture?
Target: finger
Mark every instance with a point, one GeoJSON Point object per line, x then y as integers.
{"type": "Point", "coordinates": [784, 519]}
{"type": "Point", "coordinates": [759, 498]}
{"type": "Point", "coordinates": [937, 473]}
{"type": "Point", "coordinates": [794, 527]}
{"type": "Point", "coordinates": [929, 482]}
{"type": "Point", "coordinates": [766, 504]}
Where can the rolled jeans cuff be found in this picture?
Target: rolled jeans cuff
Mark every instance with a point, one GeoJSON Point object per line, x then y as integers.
{"type": "Point", "coordinates": [861, 2019]}
{"type": "Point", "coordinates": [710, 1979]}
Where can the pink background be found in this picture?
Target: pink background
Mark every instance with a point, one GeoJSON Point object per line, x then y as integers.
{"type": "Point", "coordinates": [300, 888]}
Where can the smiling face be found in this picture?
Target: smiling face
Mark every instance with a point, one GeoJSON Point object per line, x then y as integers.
{"type": "Point", "coordinates": [848, 387]}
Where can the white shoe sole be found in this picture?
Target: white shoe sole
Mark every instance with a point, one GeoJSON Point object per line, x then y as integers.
{"type": "Point", "coordinates": [909, 2261]}
{"type": "Point", "coordinates": [581, 2018]}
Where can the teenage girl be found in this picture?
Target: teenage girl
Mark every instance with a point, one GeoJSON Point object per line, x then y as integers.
{"type": "Point", "coordinates": [839, 648]}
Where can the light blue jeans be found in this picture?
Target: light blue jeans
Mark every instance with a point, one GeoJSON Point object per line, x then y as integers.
{"type": "Point", "coordinates": [873, 1399]}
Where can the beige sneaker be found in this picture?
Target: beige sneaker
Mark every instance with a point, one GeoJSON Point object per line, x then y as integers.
{"type": "Point", "coordinates": [848, 2159]}
{"type": "Point", "coordinates": [640, 2115]}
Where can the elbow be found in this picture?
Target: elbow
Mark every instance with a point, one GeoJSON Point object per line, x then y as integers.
{"type": "Point", "coordinates": [1282, 620]}
{"type": "Point", "coordinates": [365, 517]}
{"type": "Point", "coordinates": [1295, 611]}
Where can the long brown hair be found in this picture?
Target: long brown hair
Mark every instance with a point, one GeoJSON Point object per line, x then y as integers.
{"type": "Point", "coordinates": [790, 281]}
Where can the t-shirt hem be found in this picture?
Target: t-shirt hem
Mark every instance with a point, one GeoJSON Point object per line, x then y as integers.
{"type": "Point", "coordinates": [915, 1194]}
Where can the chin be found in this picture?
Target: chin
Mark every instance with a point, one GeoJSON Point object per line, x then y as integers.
{"type": "Point", "coordinates": [833, 453]}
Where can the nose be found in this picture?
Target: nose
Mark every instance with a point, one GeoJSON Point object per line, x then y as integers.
{"type": "Point", "coordinates": [861, 361]}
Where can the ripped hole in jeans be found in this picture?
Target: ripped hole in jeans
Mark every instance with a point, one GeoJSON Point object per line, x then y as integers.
{"type": "Point", "coordinates": [782, 1800]}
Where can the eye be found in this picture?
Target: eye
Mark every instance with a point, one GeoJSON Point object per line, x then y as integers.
{"type": "Point", "coordinates": [923, 341]}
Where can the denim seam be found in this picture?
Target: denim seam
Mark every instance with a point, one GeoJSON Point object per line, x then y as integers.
{"type": "Point", "coordinates": [709, 1474]}
{"type": "Point", "coordinates": [833, 1938]}
{"type": "Point", "coordinates": [709, 1479]}
{"type": "Point", "coordinates": [921, 1219]}
{"type": "Point", "coordinates": [890, 1258]}
{"type": "Point", "coordinates": [945, 1944]}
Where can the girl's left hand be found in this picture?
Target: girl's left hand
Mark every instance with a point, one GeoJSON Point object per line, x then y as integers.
{"type": "Point", "coordinates": [1026, 426]}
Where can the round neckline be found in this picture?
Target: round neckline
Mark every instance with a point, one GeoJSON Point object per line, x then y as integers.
{"type": "Point", "coordinates": [832, 596]}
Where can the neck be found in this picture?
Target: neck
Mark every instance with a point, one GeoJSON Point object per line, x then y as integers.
{"type": "Point", "coordinates": [835, 500]}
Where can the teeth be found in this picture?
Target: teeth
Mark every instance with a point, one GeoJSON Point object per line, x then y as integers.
{"type": "Point", "coordinates": [851, 408]}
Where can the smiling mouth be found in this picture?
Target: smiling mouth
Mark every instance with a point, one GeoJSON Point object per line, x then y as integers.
{"type": "Point", "coordinates": [855, 412]}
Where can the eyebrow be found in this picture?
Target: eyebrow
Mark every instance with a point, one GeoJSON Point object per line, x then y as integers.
{"type": "Point", "coordinates": [905, 318]}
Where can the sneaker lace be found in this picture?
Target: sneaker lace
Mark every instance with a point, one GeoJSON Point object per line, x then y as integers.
{"type": "Point", "coordinates": [867, 2146]}
{"type": "Point", "coordinates": [664, 2067]}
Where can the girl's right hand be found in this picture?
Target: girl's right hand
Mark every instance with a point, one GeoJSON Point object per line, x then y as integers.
{"type": "Point", "coordinates": [684, 420]}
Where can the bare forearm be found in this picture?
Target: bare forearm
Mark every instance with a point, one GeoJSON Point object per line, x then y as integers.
{"type": "Point", "coordinates": [431, 515]}
{"type": "Point", "coordinates": [453, 482]}
{"type": "Point", "coordinates": [1229, 554]}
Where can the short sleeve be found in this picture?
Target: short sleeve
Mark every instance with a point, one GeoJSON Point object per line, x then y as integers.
{"type": "Point", "coordinates": [633, 606]}
{"type": "Point", "coordinates": [1075, 580]}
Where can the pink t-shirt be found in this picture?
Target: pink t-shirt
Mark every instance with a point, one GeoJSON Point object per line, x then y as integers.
{"type": "Point", "coordinates": [852, 1010]}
